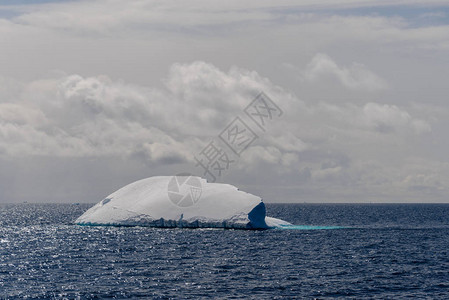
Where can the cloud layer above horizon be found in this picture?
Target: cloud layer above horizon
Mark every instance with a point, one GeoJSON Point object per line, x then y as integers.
{"type": "Point", "coordinates": [139, 89]}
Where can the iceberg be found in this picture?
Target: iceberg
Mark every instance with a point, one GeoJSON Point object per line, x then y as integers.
{"type": "Point", "coordinates": [178, 202]}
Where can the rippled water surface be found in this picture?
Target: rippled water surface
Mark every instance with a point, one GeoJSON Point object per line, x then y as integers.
{"type": "Point", "coordinates": [381, 251]}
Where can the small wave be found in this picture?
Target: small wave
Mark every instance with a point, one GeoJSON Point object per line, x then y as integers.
{"type": "Point", "coordinates": [308, 227]}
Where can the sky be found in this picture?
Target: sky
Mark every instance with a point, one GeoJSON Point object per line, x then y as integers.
{"type": "Point", "coordinates": [97, 94]}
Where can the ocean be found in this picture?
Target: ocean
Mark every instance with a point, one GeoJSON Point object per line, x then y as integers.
{"type": "Point", "coordinates": [346, 251]}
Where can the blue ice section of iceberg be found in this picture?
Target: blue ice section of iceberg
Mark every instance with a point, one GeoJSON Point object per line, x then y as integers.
{"type": "Point", "coordinates": [147, 203]}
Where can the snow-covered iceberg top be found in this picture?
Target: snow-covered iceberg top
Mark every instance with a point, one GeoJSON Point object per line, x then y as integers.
{"type": "Point", "coordinates": [186, 201]}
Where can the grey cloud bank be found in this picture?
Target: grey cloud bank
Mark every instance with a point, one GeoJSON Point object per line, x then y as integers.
{"type": "Point", "coordinates": [89, 104]}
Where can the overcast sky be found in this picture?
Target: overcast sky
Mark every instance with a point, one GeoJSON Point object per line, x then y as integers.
{"type": "Point", "coordinates": [97, 94]}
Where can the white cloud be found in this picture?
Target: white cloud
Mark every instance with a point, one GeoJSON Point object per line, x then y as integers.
{"type": "Point", "coordinates": [75, 116]}
{"type": "Point", "coordinates": [18, 114]}
{"type": "Point", "coordinates": [287, 142]}
{"type": "Point", "coordinates": [80, 116]}
{"type": "Point", "coordinates": [356, 76]}
{"type": "Point", "coordinates": [386, 118]}
{"type": "Point", "coordinates": [423, 182]}
{"type": "Point", "coordinates": [326, 173]}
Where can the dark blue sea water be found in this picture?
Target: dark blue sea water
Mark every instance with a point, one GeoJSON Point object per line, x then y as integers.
{"type": "Point", "coordinates": [382, 252]}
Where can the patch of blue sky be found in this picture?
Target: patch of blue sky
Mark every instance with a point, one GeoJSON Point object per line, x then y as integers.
{"type": "Point", "coordinates": [414, 15]}
{"type": "Point", "coordinates": [6, 13]}
{"type": "Point", "coordinates": [31, 2]}
{"type": "Point", "coordinates": [13, 8]}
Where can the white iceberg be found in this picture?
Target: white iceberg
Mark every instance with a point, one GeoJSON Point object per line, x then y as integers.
{"type": "Point", "coordinates": [180, 201]}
